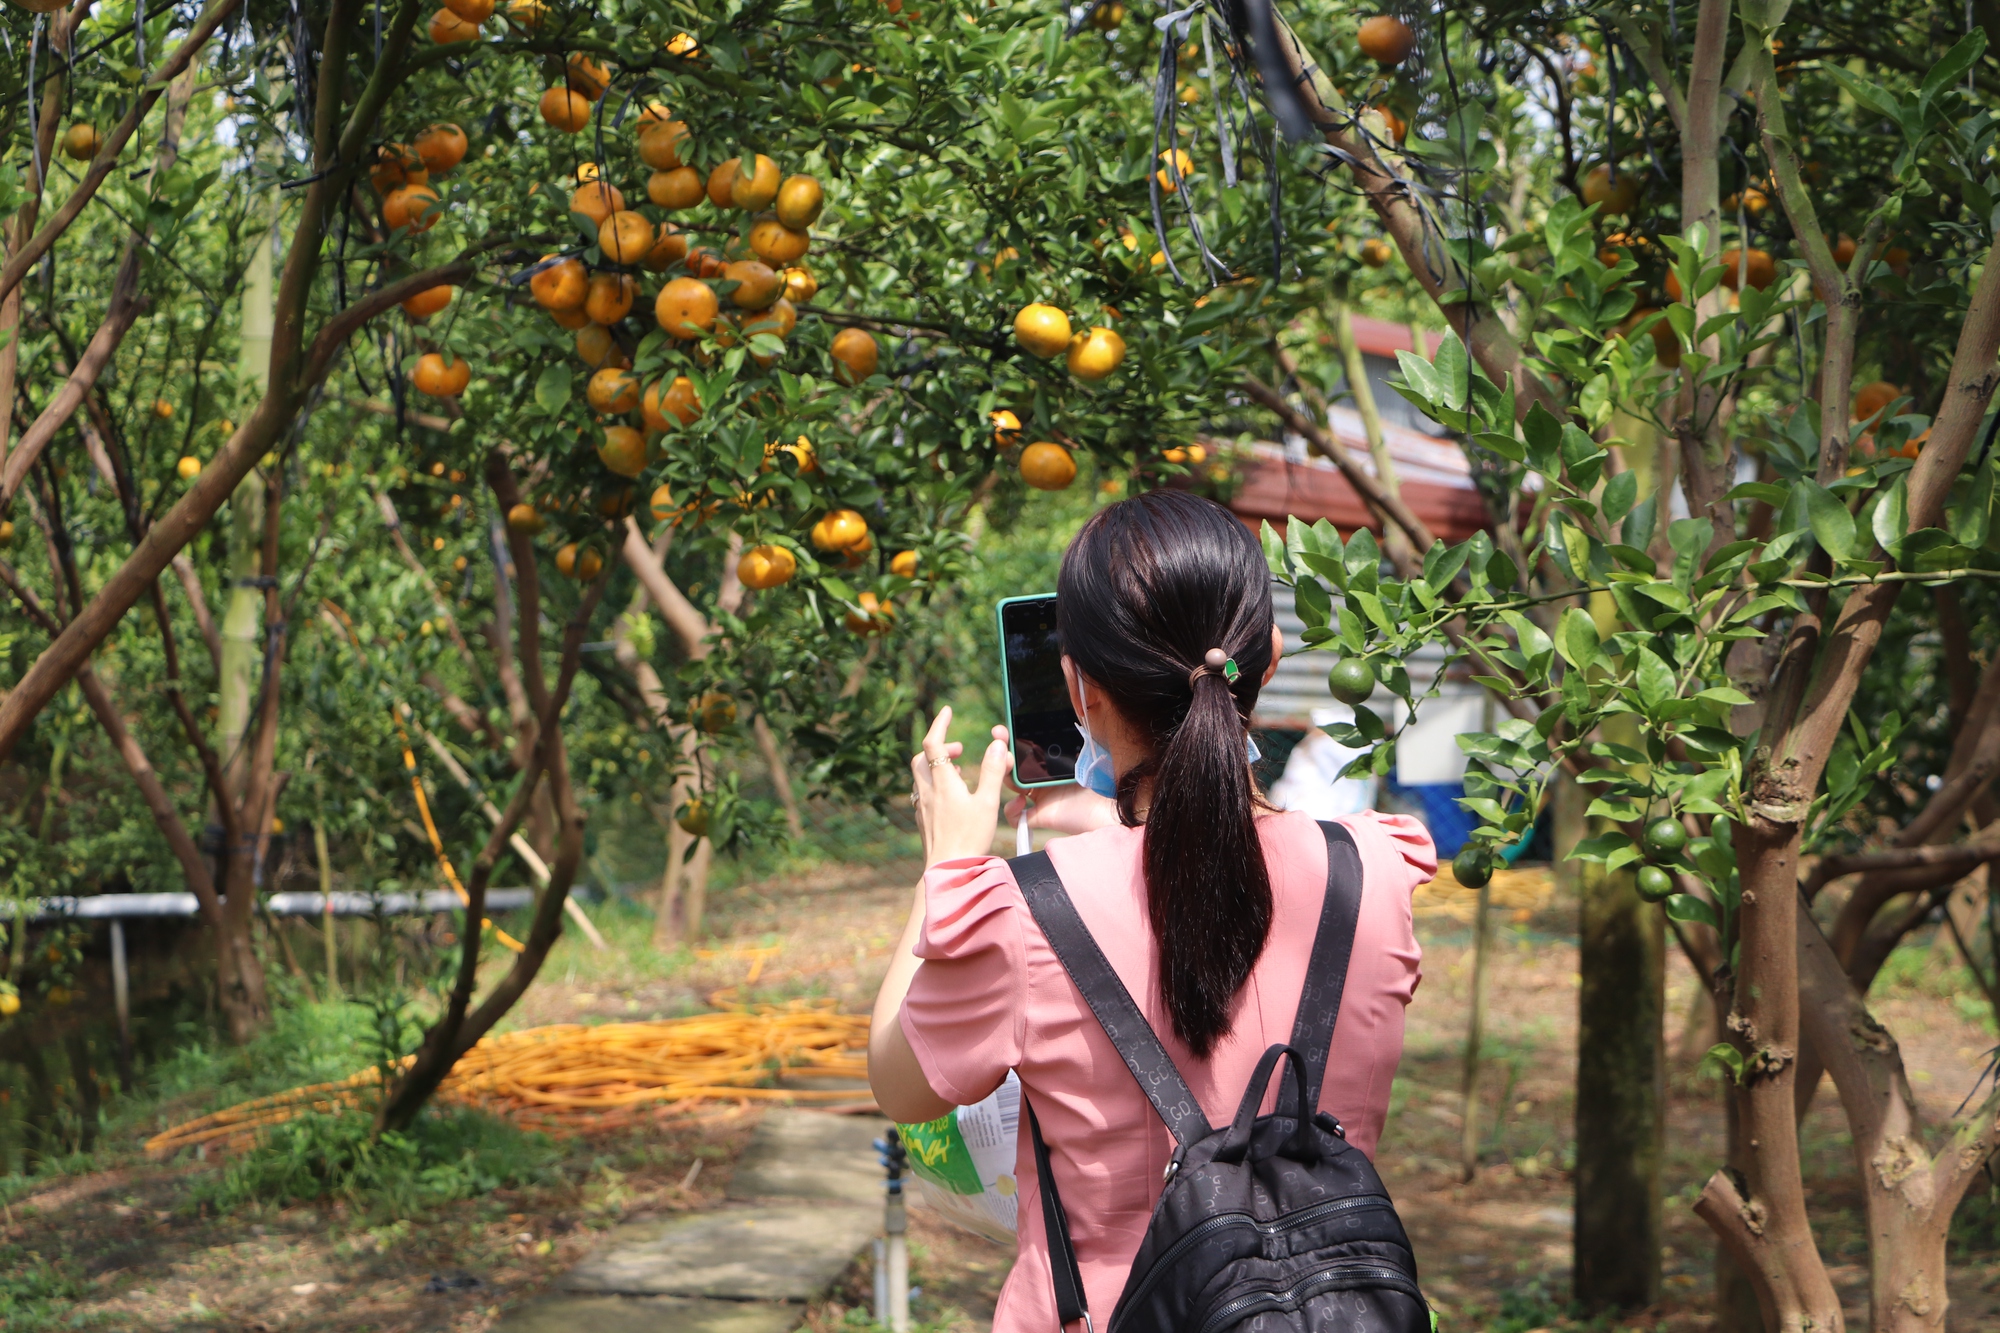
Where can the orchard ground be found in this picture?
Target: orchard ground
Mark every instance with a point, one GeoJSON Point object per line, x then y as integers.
{"type": "Point", "coordinates": [129, 1244]}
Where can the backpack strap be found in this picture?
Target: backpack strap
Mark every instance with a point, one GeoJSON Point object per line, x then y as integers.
{"type": "Point", "coordinates": [1071, 1303]}
{"type": "Point", "coordinates": [1333, 946]}
{"type": "Point", "coordinates": [1138, 1046]}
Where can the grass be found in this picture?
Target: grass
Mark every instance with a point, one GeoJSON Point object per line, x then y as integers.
{"type": "Point", "coordinates": [446, 1156]}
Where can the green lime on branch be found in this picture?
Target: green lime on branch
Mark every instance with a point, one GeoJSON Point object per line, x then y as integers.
{"type": "Point", "coordinates": [693, 818]}
{"type": "Point", "coordinates": [1665, 837]}
{"type": "Point", "coordinates": [1655, 884]}
{"type": "Point", "coordinates": [1352, 680]}
{"type": "Point", "coordinates": [1472, 868]}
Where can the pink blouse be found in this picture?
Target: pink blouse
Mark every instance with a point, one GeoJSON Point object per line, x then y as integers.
{"type": "Point", "coordinates": [992, 996]}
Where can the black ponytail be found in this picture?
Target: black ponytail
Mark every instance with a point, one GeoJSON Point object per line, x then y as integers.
{"type": "Point", "coordinates": [1148, 587]}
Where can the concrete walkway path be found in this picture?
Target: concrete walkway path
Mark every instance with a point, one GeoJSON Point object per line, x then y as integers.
{"type": "Point", "coordinates": [805, 1199]}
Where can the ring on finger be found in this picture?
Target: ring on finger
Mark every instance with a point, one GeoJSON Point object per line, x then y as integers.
{"type": "Point", "coordinates": [913, 796]}
{"type": "Point", "coordinates": [940, 763]}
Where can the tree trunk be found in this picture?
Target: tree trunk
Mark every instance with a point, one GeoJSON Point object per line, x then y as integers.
{"type": "Point", "coordinates": [1475, 1035]}
{"type": "Point", "coordinates": [1620, 1095]}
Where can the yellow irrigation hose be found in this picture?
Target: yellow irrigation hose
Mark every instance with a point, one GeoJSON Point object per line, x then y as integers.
{"type": "Point", "coordinates": [1516, 891]}
{"type": "Point", "coordinates": [437, 843]}
{"type": "Point", "coordinates": [570, 1075]}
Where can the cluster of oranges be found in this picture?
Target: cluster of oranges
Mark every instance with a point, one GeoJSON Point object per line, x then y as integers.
{"type": "Point", "coordinates": [463, 20]}
{"type": "Point", "coordinates": [1871, 404]}
{"type": "Point", "coordinates": [1044, 465]}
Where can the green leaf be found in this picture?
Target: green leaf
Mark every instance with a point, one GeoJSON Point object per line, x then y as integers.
{"type": "Point", "coordinates": [1770, 494]}
{"type": "Point", "coordinates": [1832, 526]}
{"type": "Point", "coordinates": [1576, 638]}
{"type": "Point", "coordinates": [552, 388]}
{"type": "Point", "coordinates": [1952, 67]}
{"type": "Point", "coordinates": [1891, 520]}
{"type": "Point", "coordinates": [1687, 907]}
{"type": "Point", "coordinates": [1544, 435]}
{"type": "Point", "coordinates": [1275, 554]}
{"type": "Point", "coordinates": [1620, 494]}
{"type": "Point", "coordinates": [1453, 369]}
{"type": "Point", "coordinates": [1654, 678]}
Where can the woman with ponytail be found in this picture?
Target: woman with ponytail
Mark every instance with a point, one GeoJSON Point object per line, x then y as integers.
{"type": "Point", "coordinates": [1202, 897]}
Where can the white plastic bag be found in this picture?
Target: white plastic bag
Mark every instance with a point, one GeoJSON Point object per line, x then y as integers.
{"type": "Point", "coordinates": [963, 1162]}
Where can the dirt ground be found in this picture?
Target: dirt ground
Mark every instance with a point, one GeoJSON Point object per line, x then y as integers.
{"type": "Point", "coordinates": [119, 1249]}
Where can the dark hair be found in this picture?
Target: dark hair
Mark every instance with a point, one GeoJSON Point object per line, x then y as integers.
{"type": "Point", "coordinates": [1147, 588]}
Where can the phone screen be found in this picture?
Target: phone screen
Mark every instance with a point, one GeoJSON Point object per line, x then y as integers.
{"type": "Point", "coordinates": [1039, 717]}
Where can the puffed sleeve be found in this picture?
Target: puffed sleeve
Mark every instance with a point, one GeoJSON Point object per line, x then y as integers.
{"type": "Point", "coordinates": [966, 1011]}
{"type": "Point", "coordinates": [1407, 855]}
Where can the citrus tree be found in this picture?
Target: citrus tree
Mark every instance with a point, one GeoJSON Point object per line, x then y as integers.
{"type": "Point", "coordinates": [423, 339]}
{"type": "Point", "coordinates": [1737, 376]}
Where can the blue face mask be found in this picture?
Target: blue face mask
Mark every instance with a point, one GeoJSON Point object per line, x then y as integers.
{"type": "Point", "coordinates": [1093, 765]}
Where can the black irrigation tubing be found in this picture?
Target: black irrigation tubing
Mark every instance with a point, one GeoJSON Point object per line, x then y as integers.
{"type": "Point", "coordinates": [1221, 105]}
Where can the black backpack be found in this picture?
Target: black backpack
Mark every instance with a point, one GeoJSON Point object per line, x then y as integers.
{"type": "Point", "coordinates": [1272, 1224]}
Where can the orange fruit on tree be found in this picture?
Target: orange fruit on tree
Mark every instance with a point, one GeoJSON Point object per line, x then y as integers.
{"type": "Point", "coordinates": [1666, 343]}
{"type": "Point", "coordinates": [1176, 159]}
{"type": "Point", "coordinates": [855, 556]}
{"type": "Point", "coordinates": [163, 409]}
{"type": "Point", "coordinates": [586, 76]}
{"type": "Point", "coordinates": [669, 248]}
{"type": "Point", "coordinates": [903, 564]}
{"type": "Point", "coordinates": [799, 201]}
{"type": "Point", "coordinates": [675, 189]}
{"type": "Point", "coordinates": [704, 262]}
{"type": "Point", "coordinates": [428, 301]}
{"type": "Point", "coordinates": [583, 563]}
{"type": "Point", "coordinates": [1385, 39]}
{"type": "Point", "coordinates": [721, 181]}
{"type": "Point", "coordinates": [563, 285]}
{"type": "Point", "coordinates": [802, 453]}
{"type": "Point", "coordinates": [395, 165]}
{"type": "Point", "coordinates": [756, 284]}
{"type": "Point", "coordinates": [412, 206]}
{"type": "Point", "coordinates": [779, 318]}
{"type": "Point", "coordinates": [1047, 467]}
{"type": "Point", "coordinates": [1376, 252]}
{"type": "Point", "coordinates": [1393, 125]}
{"type": "Point", "coordinates": [625, 237]}
{"type": "Point", "coordinates": [1615, 197]}
{"type": "Point", "coordinates": [1843, 250]}
{"type": "Point", "coordinates": [596, 200]}
{"type": "Point", "coordinates": [1042, 329]}
{"type": "Point", "coordinates": [654, 113]}
{"type": "Point", "coordinates": [667, 405]}
{"type": "Point", "coordinates": [856, 353]}
{"type": "Point", "coordinates": [1870, 399]}
{"type": "Point", "coordinates": [776, 244]}
{"type": "Point", "coordinates": [1898, 260]}
{"type": "Point", "coordinates": [872, 616]}
{"type": "Point", "coordinates": [567, 110]}
{"type": "Point", "coordinates": [611, 297]}
{"type": "Point", "coordinates": [442, 146]}
{"type": "Point", "coordinates": [757, 188]}
{"type": "Point", "coordinates": [660, 144]}
{"type": "Point", "coordinates": [1094, 355]}
{"type": "Point", "coordinates": [571, 319]}
{"type": "Point", "coordinates": [767, 566]}
{"type": "Point", "coordinates": [662, 504]}
{"type": "Point", "coordinates": [711, 712]}
{"type": "Point", "coordinates": [686, 308]}
{"type": "Point", "coordinates": [595, 346]}
{"type": "Point", "coordinates": [839, 530]}
{"type": "Point", "coordinates": [472, 11]}
{"type": "Point", "coordinates": [188, 468]}
{"type": "Point", "coordinates": [523, 519]}
{"type": "Point", "coordinates": [623, 450]}
{"type": "Point", "coordinates": [447, 27]}
{"type": "Point", "coordinates": [612, 390]}
{"type": "Point", "coordinates": [1006, 428]}
{"type": "Point", "coordinates": [1752, 201]}
{"type": "Point", "coordinates": [1755, 265]}
{"type": "Point", "coordinates": [526, 13]}
{"type": "Point", "coordinates": [439, 380]}
{"type": "Point", "coordinates": [800, 284]}
{"type": "Point", "coordinates": [616, 503]}
{"type": "Point", "coordinates": [82, 141]}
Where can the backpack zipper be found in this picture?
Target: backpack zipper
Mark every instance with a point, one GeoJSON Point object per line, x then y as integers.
{"type": "Point", "coordinates": [1328, 1278]}
{"type": "Point", "coordinates": [1289, 1222]}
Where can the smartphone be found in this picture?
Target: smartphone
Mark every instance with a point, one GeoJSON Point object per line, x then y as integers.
{"type": "Point", "coordinates": [1041, 725]}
